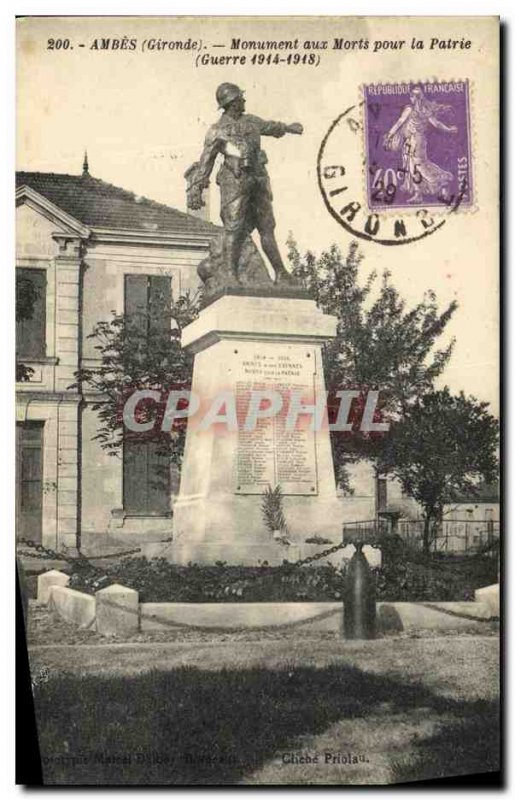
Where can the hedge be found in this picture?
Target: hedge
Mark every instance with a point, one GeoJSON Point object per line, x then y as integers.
{"type": "Point", "coordinates": [403, 579]}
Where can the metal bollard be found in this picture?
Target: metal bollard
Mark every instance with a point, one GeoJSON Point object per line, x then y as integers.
{"type": "Point", "coordinates": [359, 599]}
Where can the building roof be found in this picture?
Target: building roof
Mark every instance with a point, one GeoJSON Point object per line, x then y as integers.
{"type": "Point", "coordinates": [98, 204]}
{"type": "Point", "coordinates": [485, 493]}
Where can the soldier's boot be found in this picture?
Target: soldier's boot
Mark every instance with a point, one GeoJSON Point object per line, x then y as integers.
{"type": "Point", "coordinates": [269, 243]}
{"type": "Point", "coordinates": [285, 278]}
{"type": "Point", "coordinates": [233, 245]}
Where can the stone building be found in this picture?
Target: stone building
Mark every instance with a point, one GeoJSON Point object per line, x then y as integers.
{"type": "Point", "coordinates": [87, 248]}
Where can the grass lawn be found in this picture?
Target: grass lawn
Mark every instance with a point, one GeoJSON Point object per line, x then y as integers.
{"type": "Point", "coordinates": [293, 711]}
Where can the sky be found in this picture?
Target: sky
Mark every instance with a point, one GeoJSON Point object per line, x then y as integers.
{"type": "Point", "coordinates": [142, 117]}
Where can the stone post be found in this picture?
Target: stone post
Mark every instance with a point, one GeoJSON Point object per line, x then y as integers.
{"type": "Point", "coordinates": [117, 610]}
{"type": "Point", "coordinates": [48, 579]}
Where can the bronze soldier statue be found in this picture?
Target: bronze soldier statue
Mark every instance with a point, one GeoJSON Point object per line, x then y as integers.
{"type": "Point", "coordinates": [246, 194]}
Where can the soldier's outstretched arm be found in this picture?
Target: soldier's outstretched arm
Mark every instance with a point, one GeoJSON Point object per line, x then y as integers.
{"type": "Point", "coordinates": [277, 129]}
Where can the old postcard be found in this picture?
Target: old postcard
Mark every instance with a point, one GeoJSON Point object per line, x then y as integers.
{"type": "Point", "coordinates": [257, 402]}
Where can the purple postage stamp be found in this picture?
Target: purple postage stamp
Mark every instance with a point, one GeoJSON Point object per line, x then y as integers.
{"type": "Point", "coordinates": [418, 149]}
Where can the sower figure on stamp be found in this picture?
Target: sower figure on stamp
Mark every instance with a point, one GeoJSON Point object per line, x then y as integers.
{"type": "Point", "coordinates": [246, 195]}
{"type": "Point", "coordinates": [409, 134]}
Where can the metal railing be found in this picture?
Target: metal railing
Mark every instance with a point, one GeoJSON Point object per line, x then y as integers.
{"type": "Point", "coordinates": [370, 527]}
{"type": "Point", "coordinates": [452, 536]}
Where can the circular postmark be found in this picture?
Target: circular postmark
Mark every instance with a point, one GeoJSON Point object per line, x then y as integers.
{"type": "Point", "coordinates": [394, 166]}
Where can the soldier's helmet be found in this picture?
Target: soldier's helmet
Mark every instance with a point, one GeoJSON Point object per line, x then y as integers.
{"type": "Point", "coordinates": [226, 93]}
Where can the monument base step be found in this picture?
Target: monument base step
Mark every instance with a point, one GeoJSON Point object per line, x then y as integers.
{"type": "Point", "coordinates": [235, 554]}
{"type": "Point", "coordinates": [249, 555]}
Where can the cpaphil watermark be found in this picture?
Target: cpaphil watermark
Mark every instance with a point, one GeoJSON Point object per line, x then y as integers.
{"type": "Point", "coordinates": [147, 411]}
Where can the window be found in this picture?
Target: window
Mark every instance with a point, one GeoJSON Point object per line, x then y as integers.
{"type": "Point", "coordinates": [30, 313]}
{"type": "Point", "coordinates": [381, 494]}
{"type": "Point", "coordinates": [146, 477]}
{"type": "Point", "coordinates": [146, 464]}
{"type": "Point", "coordinates": [148, 301]}
{"type": "Point", "coordinates": [489, 519]}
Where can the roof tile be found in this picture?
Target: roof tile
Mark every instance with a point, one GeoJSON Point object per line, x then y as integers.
{"type": "Point", "coordinates": [98, 204]}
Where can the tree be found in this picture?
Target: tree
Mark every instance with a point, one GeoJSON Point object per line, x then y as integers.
{"type": "Point", "coordinates": [443, 447]}
{"type": "Point", "coordinates": [380, 343]}
{"type": "Point", "coordinates": [136, 353]}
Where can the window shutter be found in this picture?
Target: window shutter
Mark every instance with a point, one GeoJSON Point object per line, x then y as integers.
{"type": "Point", "coordinates": [160, 301]}
{"type": "Point", "coordinates": [135, 476]}
{"type": "Point", "coordinates": [136, 302]}
{"type": "Point", "coordinates": [31, 332]}
{"type": "Point", "coordinates": [146, 465]}
{"type": "Point", "coordinates": [158, 466]}
{"type": "Point", "coordinates": [146, 477]}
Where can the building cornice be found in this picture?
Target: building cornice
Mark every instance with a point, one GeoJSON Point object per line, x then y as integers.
{"type": "Point", "coordinates": [45, 396]}
{"type": "Point", "coordinates": [187, 241]}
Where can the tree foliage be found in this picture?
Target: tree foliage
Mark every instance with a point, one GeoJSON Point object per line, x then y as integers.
{"type": "Point", "coordinates": [442, 448]}
{"type": "Point", "coordinates": [135, 354]}
{"type": "Point", "coordinates": [381, 342]}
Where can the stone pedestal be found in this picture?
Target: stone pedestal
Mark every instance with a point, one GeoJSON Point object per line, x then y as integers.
{"type": "Point", "coordinates": [243, 344]}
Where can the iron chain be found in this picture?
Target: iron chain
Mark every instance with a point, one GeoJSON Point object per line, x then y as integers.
{"type": "Point", "coordinates": [46, 552]}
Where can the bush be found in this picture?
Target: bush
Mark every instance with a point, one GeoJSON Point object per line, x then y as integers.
{"type": "Point", "coordinates": [159, 581]}
{"type": "Point", "coordinates": [418, 578]}
{"type": "Point", "coordinates": [406, 577]}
